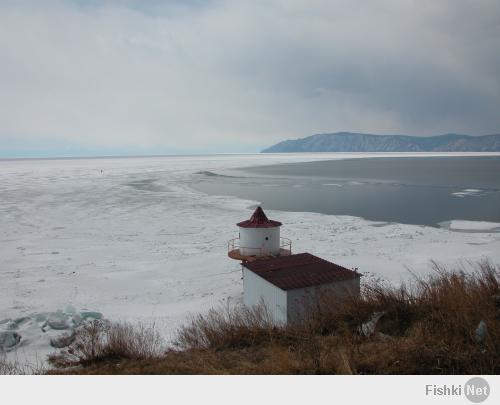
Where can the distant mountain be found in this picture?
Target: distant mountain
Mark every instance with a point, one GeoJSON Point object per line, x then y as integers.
{"type": "Point", "coordinates": [352, 142]}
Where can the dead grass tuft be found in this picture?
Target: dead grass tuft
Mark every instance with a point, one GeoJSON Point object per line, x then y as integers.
{"type": "Point", "coordinates": [17, 368]}
{"type": "Point", "coordinates": [100, 341]}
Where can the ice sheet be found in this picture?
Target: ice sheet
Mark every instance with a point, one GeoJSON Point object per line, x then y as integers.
{"type": "Point", "coordinates": [479, 226]}
{"type": "Point", "coordinates": [468, 192]}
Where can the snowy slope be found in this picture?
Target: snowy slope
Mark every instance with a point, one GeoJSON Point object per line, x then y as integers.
{"type": "Point", "coordinates": [135, 243]}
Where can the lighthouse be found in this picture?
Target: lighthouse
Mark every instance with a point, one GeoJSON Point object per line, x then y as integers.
{"type": "Point", "coordinates": [291, 287]}
{"type": "Point", "coordinates": [259, 237]}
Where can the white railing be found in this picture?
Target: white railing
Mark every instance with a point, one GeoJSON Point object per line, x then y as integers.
{"type": "Point", "coordinates": [234, 245]}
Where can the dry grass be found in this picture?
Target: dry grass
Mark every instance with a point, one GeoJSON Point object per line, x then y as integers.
{"type": "Point", "coordinates": [99, 341]}
{"type": "Point", "coordinates": [425, 327]}
{"type": "Point", "coordinates": [17, 368]}
{"type": "Point", "coordinates": [227, 328]}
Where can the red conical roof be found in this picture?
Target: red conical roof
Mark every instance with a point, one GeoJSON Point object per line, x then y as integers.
{"type": "Point", "coordinates": [259, 220]}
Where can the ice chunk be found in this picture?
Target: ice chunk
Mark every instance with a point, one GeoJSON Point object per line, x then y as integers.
{"type": "Point", "coordinates": [41, 317]}
{"type": "Point", "coordinates": [58, 321]}
{"type": "Point", "coordinates": [89, 314]}
{"type": "Point", "coordinates": [16, 323]}
{"type": "Point", "coordinates": [468, 192]}
{"type": "Point", "coordinates": [76, 320]}
{"type": "Point", "coordinates": [9, 339]}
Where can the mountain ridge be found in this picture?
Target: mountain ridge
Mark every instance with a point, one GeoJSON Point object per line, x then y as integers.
{"type": "Point", "coordinates": [360, 142]}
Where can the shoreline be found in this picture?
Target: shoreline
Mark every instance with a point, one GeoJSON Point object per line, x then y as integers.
{"type": "Point", "coordinates": [464, 188]}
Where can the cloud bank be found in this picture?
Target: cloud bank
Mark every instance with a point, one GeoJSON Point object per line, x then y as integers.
{"type": "Point", "coordinates": [81, 77]}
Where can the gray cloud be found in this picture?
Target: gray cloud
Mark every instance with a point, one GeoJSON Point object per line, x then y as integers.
{"type": "Point", "coordinates": [171, 76]}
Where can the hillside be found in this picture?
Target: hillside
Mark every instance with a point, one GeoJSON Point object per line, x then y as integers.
{"type": "Point", "coordinates": [353, 142]}
{"type": "Point", "coordinates": [446, 323]}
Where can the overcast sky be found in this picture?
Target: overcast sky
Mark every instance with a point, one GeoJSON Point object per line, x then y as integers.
{"type": "Point", "coordinates": [111, 77]}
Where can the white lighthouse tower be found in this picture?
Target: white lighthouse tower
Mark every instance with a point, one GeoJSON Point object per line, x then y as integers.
{"type": "Point", "coordinates": [259, 237]}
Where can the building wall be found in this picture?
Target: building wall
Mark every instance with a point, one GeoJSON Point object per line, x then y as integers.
{"type": "Point", "coordinates": [258, 291]}
{"type": "Point", "coordinates": [301, 302]}
{"type": "Point", "coordinates": [253, 241]}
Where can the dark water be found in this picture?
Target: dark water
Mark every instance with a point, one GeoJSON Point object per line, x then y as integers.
{"type": "Point", "coordinates": [423, 191]}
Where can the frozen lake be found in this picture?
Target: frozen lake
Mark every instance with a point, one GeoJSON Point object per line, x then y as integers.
{"type": "Point", "coordinates": [412, 190]}
{"type": "Point", "coordinates": [129, 237]}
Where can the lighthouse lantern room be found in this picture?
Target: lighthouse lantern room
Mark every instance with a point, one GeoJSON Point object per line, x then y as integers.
{"type": "Point", "coordinates": [259, 237]}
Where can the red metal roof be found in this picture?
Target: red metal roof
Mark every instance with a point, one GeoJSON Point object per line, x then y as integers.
{"type": "Point", "coordinates": [259, 220]}
{"type": "Point", "coordinates": [299, 271]}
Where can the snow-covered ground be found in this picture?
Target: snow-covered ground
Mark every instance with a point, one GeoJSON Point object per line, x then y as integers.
{"type": "Point", "coordinates": [130, 239]}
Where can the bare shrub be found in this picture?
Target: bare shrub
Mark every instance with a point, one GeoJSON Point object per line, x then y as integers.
{"type": "Point", "coordinates": [230, 327]}
{"type": "Point", "coordinates": [99, 341]}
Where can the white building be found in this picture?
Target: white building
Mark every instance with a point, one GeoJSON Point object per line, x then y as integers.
{"type": "Point", "coordinates": [291, 286]}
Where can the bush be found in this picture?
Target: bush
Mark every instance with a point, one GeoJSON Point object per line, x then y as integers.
{"type": "Point", "coordinates": [100, 341]}
{"type": "Point", "coordinates": [227, 328]}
